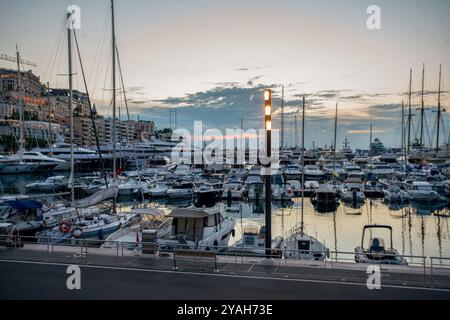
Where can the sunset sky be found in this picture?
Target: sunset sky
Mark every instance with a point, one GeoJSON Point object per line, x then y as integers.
{"type": "Point", "coordinates": [211, 59]}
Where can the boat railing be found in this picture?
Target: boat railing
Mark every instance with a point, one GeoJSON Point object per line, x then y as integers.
{"type": "Point", "coordinates": [144, 254]}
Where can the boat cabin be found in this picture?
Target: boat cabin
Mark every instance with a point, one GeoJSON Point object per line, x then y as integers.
{"type": "Point", "coordinates": [193, 224]}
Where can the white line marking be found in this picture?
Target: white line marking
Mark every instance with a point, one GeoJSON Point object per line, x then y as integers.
{"type": "Point", "coordinates": [225, 275]}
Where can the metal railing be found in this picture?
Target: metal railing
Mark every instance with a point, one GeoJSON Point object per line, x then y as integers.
{"type": "Point", "coordinates": [282, 262]}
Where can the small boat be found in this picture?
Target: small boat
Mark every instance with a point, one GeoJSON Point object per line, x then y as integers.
{"type": "Point", "coordinates": [183, 189]}
{"type": "Point", "coordinates": [313, 173]}
{"type": "Point", "coordinates": [373, 189]}
{"type": "Point", "coordinates": [253, 242]}
{"type": "Point", "coordinates": [292, 172]}
{"type": "Point", "coordinates": [206, 195]}
{"type": "Point", "coordinates": [304, 247]}
{"type": "Point", "coordinates": [310, 188]}
{"type": "Point", "coordinates": [50, 184]}
{"type": "Point", "coordinates": [233, 188]}
{"type": "Point", "coordinates": [422, 191]}
{"type": "Point", "coordinates": [100, 227]}
{"type": "Point", "coordinates": [353, 191]}
{"type": "Point", "coordinates": [296, 187]}
{"type": "Point", "coordinates": [377, 251]}
{"type": "Point", "coordinates": [325, 199]}
{"type": "Point", "coordinates": [396, 192]}
{"type": "Point", "coordinates": [24, 215]}
{"type": "Point", "coordinates": [155, 190]}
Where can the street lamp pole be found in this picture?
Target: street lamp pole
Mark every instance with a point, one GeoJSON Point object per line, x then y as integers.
{"type": "Point", "coordinates": [267, 177]}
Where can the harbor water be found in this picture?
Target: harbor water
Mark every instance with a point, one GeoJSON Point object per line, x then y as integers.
{"type": "Point", "coordinates": [418, 230]}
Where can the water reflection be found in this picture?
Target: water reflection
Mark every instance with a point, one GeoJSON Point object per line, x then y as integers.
{"type": "Point", "coordinates": [418, 229]}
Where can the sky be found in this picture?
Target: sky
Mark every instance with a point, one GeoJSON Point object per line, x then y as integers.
{"type": "Point", "coordinates": [211, 60]}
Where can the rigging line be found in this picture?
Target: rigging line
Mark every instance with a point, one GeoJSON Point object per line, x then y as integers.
{"type": "Point", "coordinates": [58, 68]}
{"type": "Point", "coordinates": [427, 130]}
{"type": "Point", "coordinates": [53, 77]}
{"type": "Point", "coordinates": [108, 108]}
{"type": "Point", "coordinates": [99, 63]}
{"type": "Point", "coordinates": [128, 118]}
{"type": "Point", "coordinates": [54, 48]}
{"type": "Point", "coordinates": [102, 169]}
{"type": "Point", "coordinates": [100, 44]}
{"type": "Point", "coordinates": [103, 68]}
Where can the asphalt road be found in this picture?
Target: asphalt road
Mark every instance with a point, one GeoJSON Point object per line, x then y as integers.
{"type": "Point", "coordinates": [35, 280]}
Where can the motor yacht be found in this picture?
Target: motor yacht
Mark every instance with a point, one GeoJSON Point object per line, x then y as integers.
{"type": "Point", "coordinates": [195, 228]}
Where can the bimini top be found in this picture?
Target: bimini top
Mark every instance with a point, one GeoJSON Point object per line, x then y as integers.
{"type": "Point", "coordinates": [192, 213]}
{"type": "Point", "coordinates": [22, 205]}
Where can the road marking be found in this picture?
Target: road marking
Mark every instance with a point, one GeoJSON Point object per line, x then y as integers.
{"type": "Point", "coordinates": [226, 275]}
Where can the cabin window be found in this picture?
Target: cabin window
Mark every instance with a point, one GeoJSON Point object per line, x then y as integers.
{"type": "Point", "coordinates": [249, 241]}
{"type": "Point", "coordinates": [303, 245]}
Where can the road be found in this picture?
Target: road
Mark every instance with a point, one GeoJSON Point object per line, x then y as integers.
{"type": "Point", "coordinates": [41, 280]}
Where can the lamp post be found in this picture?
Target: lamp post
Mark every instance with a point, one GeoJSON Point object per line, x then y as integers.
{"type": "Point", "coordinates": [267, 177]}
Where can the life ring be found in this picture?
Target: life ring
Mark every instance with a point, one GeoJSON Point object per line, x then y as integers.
{"type": "Point", "coordinates": [64, 227]}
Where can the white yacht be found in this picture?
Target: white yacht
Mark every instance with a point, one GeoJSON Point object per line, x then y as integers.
{"type": "Point", "coordinates": [183, 189]}
{"type": "Point", "coordinates": [381, 170]}
{"type": "Point", "coordinates": [253, 242]}
{"type": "Point", "coordinates": [50, 184]}
{"type": "Point", "coordinates": [304, 247]}
{"type": "Point", "coordinates": [292, 172]}
{"type": "Point", "coordinates": [233, 188]}
{"type": "Point", "coordinates": [154, 190]}
{"type": "Point", "coordinates": [192, 228]}
{"type": "Point", "coordinates": [62, 151]}
{"type": "Point", "coordinates": [422, 191]}
{"type": "Point", "coordinates": [354, 170]}
{"type": "Point", "coordinates": [313, 173]}
{"type": "Point", "coordinates": [10, 166]}
{"type": "Point", "coordinates": [353, 191]}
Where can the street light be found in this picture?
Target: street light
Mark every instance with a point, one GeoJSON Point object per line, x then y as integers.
{"type": "Point", "coordinates": [267, 177]}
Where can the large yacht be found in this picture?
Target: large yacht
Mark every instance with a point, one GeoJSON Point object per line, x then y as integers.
{"type": "Point", "coordinates": [204, 229]}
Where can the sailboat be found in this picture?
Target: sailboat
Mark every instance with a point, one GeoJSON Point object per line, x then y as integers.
{"type": "Point", "coordinates": [109, 191]}
{"type": "Point", "coordinates": [300, 245]}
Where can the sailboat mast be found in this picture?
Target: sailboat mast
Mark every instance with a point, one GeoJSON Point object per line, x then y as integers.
{"type": "Point", "coordinates": [72, 162]}
{"type": "Point", "coordinates": [49, 117]}
{"type": "Point", "coordinates": [439, 109]}
{"type": "Point", "coordinates": [409, 112]}
{"type": "Point", "coordinates": [282, 117]}
{"type": "Point", "coordinates": [114, 98]}
{"type": "Point", "coordinates": [422, 110]}
{"type": "Point", "coordinates": [335, 138]}
{"type": "Point", "coordinates": [19, 91]}
{"type": "Point", "coordinates": [403, 133]}
{"type": "Point", "coordinates": [303, 167]}
{"type": "Point", "coordinates": [296, 132]}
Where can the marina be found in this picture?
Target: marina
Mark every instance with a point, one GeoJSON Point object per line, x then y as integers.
{"type": "Point", "coordinates": [99, 169]}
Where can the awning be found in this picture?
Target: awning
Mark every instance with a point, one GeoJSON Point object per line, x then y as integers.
{"type": "Point", "coordinates": [22, 205]}
{"type": "Point", "coordinates": [190, 213]}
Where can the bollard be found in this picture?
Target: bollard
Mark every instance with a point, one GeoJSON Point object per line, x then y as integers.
{"type": "Point", "coordinates": [174, 260]}
{"type": "Point", "coordinates": [215, 264]}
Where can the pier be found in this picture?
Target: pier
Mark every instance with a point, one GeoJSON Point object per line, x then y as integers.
{"type": "Point", "coordinates": [39, 271]}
